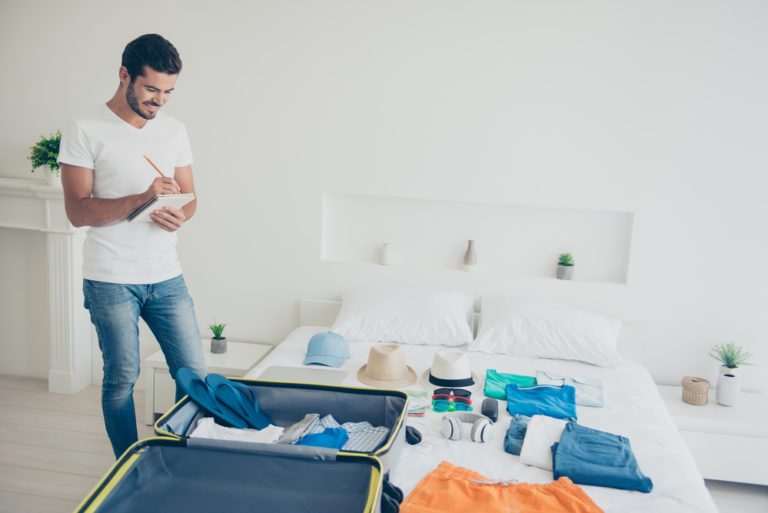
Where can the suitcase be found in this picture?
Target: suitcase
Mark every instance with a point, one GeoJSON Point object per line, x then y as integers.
{"type": "Point", "coordinates": [287, 403]}
{"type": "Point", "coordinates": [162, 474]}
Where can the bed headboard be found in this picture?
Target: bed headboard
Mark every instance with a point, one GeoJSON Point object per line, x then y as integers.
{"type": "Point", "coordinates": [322, 312]}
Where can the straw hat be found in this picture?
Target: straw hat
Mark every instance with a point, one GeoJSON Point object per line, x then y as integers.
{"type": "Point", "coordinates": [386, 368]}
{"type": "Point", "coordinates": [450, 369]}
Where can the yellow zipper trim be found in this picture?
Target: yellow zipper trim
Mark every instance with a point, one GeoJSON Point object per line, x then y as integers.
{"type": "Point", "coordinates": [125, 466]}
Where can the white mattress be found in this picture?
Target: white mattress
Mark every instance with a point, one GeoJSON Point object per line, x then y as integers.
{"type": "Point", "coordinates": [633, 409]}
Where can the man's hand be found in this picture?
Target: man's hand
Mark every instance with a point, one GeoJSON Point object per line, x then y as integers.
{"type": "Point", "coordinates": [169, 219]}
{"type": "Point", "coordinates": [164, 185]}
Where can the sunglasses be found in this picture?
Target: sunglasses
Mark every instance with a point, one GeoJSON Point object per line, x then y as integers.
{"type": "Point", "coordinates": [458, 392]}
{"type": "Point", "coordinates": [441, 405]}
{"type": "Point", "coordinates": [454, 398]}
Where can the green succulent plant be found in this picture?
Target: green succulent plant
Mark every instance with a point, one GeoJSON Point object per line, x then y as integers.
{"type": "Point", "coordinates": [217, 330]}
{"type": "Point", "coordinates": [730, 355]}
{"type": "Point", "coordinates": [46, 152]}
{"type": "Point", "coordinates": [566, 259]}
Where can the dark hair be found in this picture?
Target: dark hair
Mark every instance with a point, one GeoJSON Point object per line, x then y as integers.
{"type": "Point", "coordinates": [151, 50]}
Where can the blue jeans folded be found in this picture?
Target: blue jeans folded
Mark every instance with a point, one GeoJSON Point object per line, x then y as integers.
{"type": "Point", "coordinates": [518, 427]}
{"type": "Point", "coordinates": [115, 309]}
{"type": "Point", "coordinates": [591, 457]}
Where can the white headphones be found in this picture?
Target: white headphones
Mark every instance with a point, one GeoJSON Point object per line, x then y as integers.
{"type": "Point", "coordinates": [452, 429]}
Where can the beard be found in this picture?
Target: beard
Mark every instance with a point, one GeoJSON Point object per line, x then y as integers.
{"type": "Point", "coordinates": [133, 103]}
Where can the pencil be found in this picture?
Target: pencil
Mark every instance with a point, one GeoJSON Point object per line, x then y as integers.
{"type": "Point", "coordinates": [153, 165]}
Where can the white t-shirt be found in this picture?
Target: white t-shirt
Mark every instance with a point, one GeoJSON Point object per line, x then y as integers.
{"type": "Point", "coordinates": [123, 252]}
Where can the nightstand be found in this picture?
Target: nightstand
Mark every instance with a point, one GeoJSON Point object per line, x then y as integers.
{"type": "Point", "coordinates": [161, 389]}
{"type": "Point", "coordinates": [728, 443]}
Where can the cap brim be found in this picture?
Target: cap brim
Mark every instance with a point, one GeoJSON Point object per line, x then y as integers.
{"type": "Point", "coordinates": [328, 361]}
{"type": "Point", "coordinates": [408, 380]}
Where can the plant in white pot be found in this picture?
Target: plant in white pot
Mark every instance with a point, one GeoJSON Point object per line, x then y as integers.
{"type": "Point", "coordinates": [218, 343]}
{"type": "Point", "coordinates": [731, 357]}
{"type": "Point", "coordinates": [44, 155]}
{"type": "Point", "coordinates": [565, 267]}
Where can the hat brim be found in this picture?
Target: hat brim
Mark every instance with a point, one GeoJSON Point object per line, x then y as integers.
{"type": "Point", "coordinates": [328, 361]}
{"type": "Point", "coordinates": [424, 381]}
{"type": "Point", "coordinates": [408, 380]}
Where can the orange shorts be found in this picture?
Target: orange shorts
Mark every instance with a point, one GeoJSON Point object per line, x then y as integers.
{"type": "Point", "coordinates": [451, 489]}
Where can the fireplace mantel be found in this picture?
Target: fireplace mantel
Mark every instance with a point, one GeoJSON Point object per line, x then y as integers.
{"type": "Point", "coordinates": [36, 206]}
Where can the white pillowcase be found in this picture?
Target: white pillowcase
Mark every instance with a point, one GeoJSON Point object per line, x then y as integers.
{"type": "Point", "coordinates": [406, 315]}
{"type": "Point", "coordinates": [538, 328]}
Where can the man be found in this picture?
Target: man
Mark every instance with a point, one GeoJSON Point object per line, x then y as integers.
{"type": "Point", "coordinates": [131, 270]}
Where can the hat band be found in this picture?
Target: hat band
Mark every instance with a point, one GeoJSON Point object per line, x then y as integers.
{"type": "Point", "coordinates": [451, 382]}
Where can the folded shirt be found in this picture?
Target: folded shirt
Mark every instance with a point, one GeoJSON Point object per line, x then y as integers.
{"type": "Point", "coordinates": [589, 391]}
{"type": "Point", "coordinates": [542, 432]}
{"type": "Point", "coordinates": [332, 438]}
{"type": "Point", "coordinates": [513, 441]}
{"type": "Point", "coordinates": [363, 437]}
{"type": "Point", "coordinates": [207, 428]}
{"type": "Point", "coordinates": [296, 431]}
{"type": "Point", "coordinates": [554, 401]}
{"type": "Point", "coordinates": [496, 383]}
{"type": "Point", "coordinates": [593, 457]}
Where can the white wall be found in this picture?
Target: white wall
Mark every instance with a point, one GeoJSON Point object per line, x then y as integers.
{"type": "Point", "coordinates": [656, 108]}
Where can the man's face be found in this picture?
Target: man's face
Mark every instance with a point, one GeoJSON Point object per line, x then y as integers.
{"type": "Point", "coordinates": [150, 91]}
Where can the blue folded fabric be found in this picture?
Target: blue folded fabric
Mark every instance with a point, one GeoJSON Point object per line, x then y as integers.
{"type": "Point", "coordinates": [553, 401]}
{"type": "Point", "coordinates": [199, 391]}
{"type": "Point", "coordinates": [333, 438]}
{"type": "Point", "coordinates": [591, 457]}
{"type": "Point", "coordinates": [240, 398]}
{"type": "Point", "coordinates": [513, 441]}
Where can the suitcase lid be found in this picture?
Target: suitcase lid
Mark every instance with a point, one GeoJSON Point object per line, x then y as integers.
{"type": "Point", "coordinates": [166, 474]}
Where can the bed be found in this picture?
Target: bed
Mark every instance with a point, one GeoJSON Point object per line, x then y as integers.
{"type": "Point", "coordinates": [633, 409]}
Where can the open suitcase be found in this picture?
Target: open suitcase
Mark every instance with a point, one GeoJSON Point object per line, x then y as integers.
{"type": "Point", "coordinates": [287, 403]}
{"type": "Point", "coordinates": [161, 474]}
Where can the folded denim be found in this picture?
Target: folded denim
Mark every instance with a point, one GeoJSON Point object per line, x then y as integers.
{"type": "Point", "coordinates": [513, 441]}
{"type": "Point", "coordinates": [592, 457]}
{"type": "Point", "coordinates": [554, 401]}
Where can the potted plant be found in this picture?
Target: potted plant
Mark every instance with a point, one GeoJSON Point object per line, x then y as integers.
{"type": "Point", "coordinates": [728, 384]}
{"type": "Point", "coordinates": [218, 343]}
{"type": "Point", "coordinates": [565, 267]}
{"type": "Point", "coordinates": [44, 155]}
{"type": "Point", "coordinates": [730, 357]}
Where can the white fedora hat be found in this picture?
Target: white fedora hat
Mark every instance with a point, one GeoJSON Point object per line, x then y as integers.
{"type": "Point", "coordinates": [386, 368]}
{"type": "Point", "coordinates": [450, 369]}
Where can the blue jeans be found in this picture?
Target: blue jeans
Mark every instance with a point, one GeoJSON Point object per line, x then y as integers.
{"type": "Point", "coordinates": [115, 309]}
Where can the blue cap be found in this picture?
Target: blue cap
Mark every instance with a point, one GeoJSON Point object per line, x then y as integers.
{"type": "Point", "coordinates": [327, 348]}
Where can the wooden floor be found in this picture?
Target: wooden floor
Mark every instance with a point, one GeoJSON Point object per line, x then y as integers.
{"type": "Point", "coordinates": [53, 450]}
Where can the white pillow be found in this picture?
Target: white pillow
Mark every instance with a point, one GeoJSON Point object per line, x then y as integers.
{"type": "Point", "coordinates": [406, 315]}
{"type": "Point", "coordinates": [538, 328]}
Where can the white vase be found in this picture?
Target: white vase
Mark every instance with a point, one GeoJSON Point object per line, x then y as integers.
{"type": "Point", "coordinates": [469, 263]}
{"type": "Point", "coordinates": [729, 370]}
{"type": "Point", "coordinates": [728, 389]}
{"type": "Point", "coordinates": [52, 176]}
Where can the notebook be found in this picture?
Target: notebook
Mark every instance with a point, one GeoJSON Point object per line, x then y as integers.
{"type": "Point", "coordinates": [141, 214]}
{"type": "Point", "coordinates": [321, 376]}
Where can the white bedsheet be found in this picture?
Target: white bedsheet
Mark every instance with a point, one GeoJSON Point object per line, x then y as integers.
{"type": "Point", "coordinates": [633, 409]}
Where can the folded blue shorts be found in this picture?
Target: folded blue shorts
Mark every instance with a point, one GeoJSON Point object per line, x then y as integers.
{"type": "Point", "coordinates": [550, 400]}
{"type": "Point", "coordinates": [591, 457]}
{"type": "Point", "coordinates": [518, 427]}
